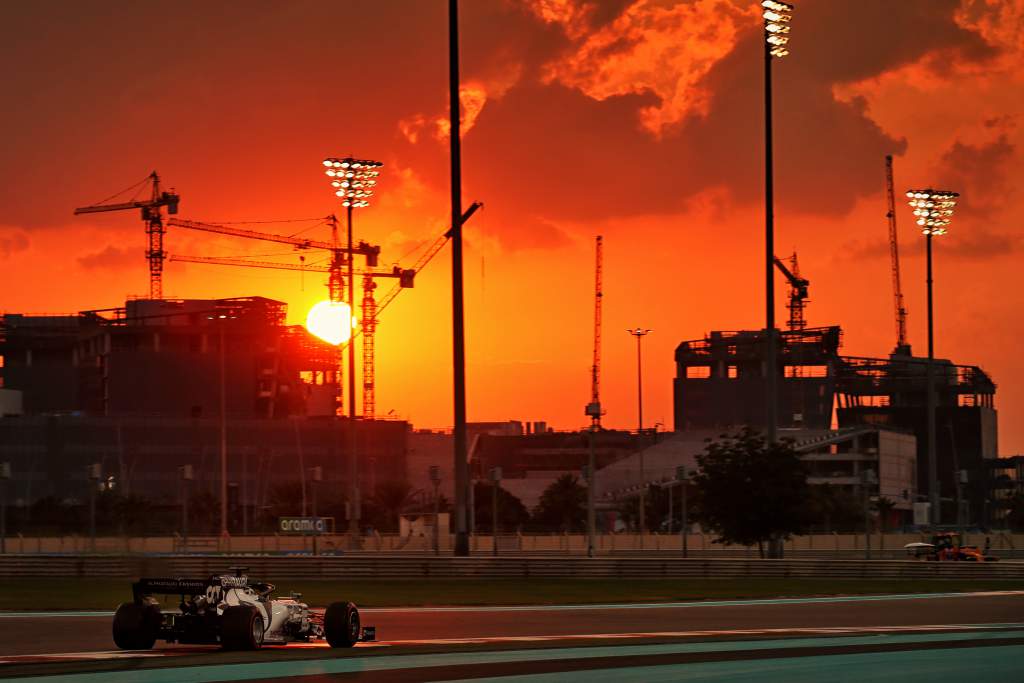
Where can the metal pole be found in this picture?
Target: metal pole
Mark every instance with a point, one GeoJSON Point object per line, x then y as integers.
{"type": "Point", "coordinates": [639, 388]}
{"type": "Point", "coordinates": [223, 442]}
{"type": "Point", "coordinates": [3, 517]}
{"type": "Point", "coordinates": [494, 518]}
{"type": "Point", "coordinates": [591, 478]}
{"type": "Point", "coordinates": [686, 523]}
{"type": "Point", "coordinates": [5, 475]}
{"type": "Point", "coordinates": [316, 534]}
{"type": "Point", "coordinates": [458, 321]}
{"type": "Point", "coordinates": [671, 513]}
{"type": "Point", "coordinates": [867, 517]}
{"type": "Point", "coordinates": [639, 433]}
{"type": "Point", "coordinates": [92, 513]}
{"type": "Point", "coordinates": [353, 521]}
{"type": "Point", "coordinates": [437, 515]}
{"type": "Point", "coordinates": [771, 409]}
{"type": "Point", "coordinates": [184, 512]}
{"type": "Point", "coordinates": [302, 462]}
{"type": "Point", "coordinates": [933, 469]}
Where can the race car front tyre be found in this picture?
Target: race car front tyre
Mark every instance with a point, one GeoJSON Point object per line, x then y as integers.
{"type": "Point", "coordinates": [341, 624]}
{"type": "Point", "coordinates": [241, 628]}
{"type": "Point", "coordinates": [136, 625]}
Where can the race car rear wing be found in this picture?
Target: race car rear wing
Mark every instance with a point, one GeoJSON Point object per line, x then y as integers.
{"type": "Point", "coordinates": [144, 587]}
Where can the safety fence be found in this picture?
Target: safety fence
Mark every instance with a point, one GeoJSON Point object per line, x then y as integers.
{"type": "Point", "coordinates": [446, 567]}
{"type": "Point", "coordinates": [814, 546]}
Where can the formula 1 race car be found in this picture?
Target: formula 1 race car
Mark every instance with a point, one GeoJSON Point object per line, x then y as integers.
{"type": "Point", "coordinates": [231, 611]}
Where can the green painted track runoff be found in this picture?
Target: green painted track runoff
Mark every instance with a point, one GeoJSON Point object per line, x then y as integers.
{"type": "Point", "coordinates": [999, 663]}
{"type": "Point", "coordinates": [961, 655]}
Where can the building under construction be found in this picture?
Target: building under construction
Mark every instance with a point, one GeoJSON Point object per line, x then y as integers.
{"type": "Point", "coordinates": [720, 383]}
{"type": "Point", "coordinates": [141, 390]}
{"type": "Point", "coordinates": [167, 358]}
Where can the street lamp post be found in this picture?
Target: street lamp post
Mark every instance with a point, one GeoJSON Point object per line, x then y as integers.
{"type": "Point", "coordinates": [640, 333]}
{"type": "Point", "coordinates": [777, 16]}
{"type": "Point", "coordinates": [934, 211]}
{"type": "Point", "coordinates": [354, 181]}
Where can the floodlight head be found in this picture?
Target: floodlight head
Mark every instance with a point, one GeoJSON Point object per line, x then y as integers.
{"type": "Point", "coordinates": [353, 179]}
{"type": "Point", "coordinates": [777, 16]}
{"type": "Point", "coordinates": [933, 209]}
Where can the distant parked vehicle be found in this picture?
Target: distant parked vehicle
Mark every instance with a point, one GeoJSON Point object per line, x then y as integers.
{"type": "Point", "coordinates": [233, 612]}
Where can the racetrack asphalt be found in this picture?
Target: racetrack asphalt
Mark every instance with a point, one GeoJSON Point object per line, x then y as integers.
{"type": "Point", "coordinates": [723, 639]}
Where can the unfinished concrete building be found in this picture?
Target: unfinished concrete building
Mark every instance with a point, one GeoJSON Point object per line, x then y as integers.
{"type": "Point", "coordinates": [720, 379]}
{"type": "Point", "coordinates": [890, 392]}
{"type": "Point", "coordinates": [164, 358]}
{"type": "Point", "coordinates": [720, 384]}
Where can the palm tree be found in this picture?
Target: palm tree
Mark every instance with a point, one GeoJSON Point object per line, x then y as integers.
{"type": "Point", "coordinates": [390, 499]}
{"type": "Point", "coordinates": [884, 507]}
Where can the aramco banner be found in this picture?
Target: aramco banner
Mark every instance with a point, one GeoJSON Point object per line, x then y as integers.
{"type": "Point", "coordinates": [305, 525]}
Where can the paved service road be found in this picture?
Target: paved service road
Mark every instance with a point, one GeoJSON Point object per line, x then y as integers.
{"type": "Point", "coordinates": [786, 639]}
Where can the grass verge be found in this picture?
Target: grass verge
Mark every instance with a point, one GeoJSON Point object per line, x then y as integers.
{"type": "Point", "coordinates": [105, 594]}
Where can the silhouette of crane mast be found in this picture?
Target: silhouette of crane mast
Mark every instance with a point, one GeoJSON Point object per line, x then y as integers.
{"type": "Point", "coordinates": [894, 253]}
{"type": "Point", "coordinates": [371, 308]}
{"type": "Point", "coordinates": [798, 293]}
{"type": "Point", "coordinates": [152, 216]}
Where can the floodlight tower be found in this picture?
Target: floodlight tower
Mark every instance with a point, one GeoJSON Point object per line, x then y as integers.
{"type": "Point", "coordinates": [354, 181]}
{"type": "Point", "coordinates": [933, 210]}
{"type": "Point", "coordinates": [640, 333]}
{"type": "Point", "coordinates": [777, 16]}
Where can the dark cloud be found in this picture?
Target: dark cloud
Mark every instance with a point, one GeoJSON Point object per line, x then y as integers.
{"type": "Point", "coordinates": [979, 173]}
{"type": "Point", "coordinates": [842, 42]}
{"type": "Point", "coordinates": [982, 245]}
{"type": "Point", "coordinates": [11, 242]}
{"type": "Point", "coordinates": [568, 156]}
{"type": "Point", "coordinates": [110, 258]}
{"type": "Point", "coordinates": [960, 244]}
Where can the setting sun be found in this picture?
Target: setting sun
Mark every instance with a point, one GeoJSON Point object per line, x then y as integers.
{"type": "Point", "coordinates": [327, 321]}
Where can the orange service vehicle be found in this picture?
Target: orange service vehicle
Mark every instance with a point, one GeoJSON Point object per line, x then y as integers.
{"type": "Point", "coordinates": [947, 546]}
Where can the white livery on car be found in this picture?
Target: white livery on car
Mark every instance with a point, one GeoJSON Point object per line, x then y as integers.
{"type": "Point", "coordinates": [232, 611]}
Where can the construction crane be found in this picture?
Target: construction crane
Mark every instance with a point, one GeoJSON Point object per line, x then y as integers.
{"type": "Point", "coordinates": [371, 309]}
{"type": "Point", "coordinates": [894, 251]}
{"type": "Point", "coordinates": [797, 292]}
{"type": "Point", "coordinates": [339, 254]}
{"type": "Point", "coordinates": [371, 252]}
{"type": "Point", "coordinates": [152, 216]}
{"type": "Point", "coordinates": [594, 407]}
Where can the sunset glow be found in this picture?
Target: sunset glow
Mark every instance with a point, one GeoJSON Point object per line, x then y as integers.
{"type": "Point", "coordinates": [639, 120]}
{"type": "Point", "coordinates": [327, 321]}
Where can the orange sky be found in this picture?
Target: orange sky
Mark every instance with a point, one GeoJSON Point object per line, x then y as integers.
{"type": "Point", "coordinates": [638, 120]}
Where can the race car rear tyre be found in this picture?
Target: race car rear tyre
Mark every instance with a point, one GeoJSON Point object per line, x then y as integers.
{"type": "Point", "coordinates": [241, 628]}
{"type": "Point", "coordinates": [136, 626]}
{"type": "Point", "coordinates": [341, 624]}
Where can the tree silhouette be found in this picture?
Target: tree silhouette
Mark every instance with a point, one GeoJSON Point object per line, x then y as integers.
{"type": "Point", "coordinates": [750, 492]}
{"type": "Point", "coordinates": [884, 506]}
{"type": "Point", "coordinates": [389, 501]}
{"type": "Point", "coordinates": [562, 506]}
{"type": "Point", "coordinates": [512, 514]}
